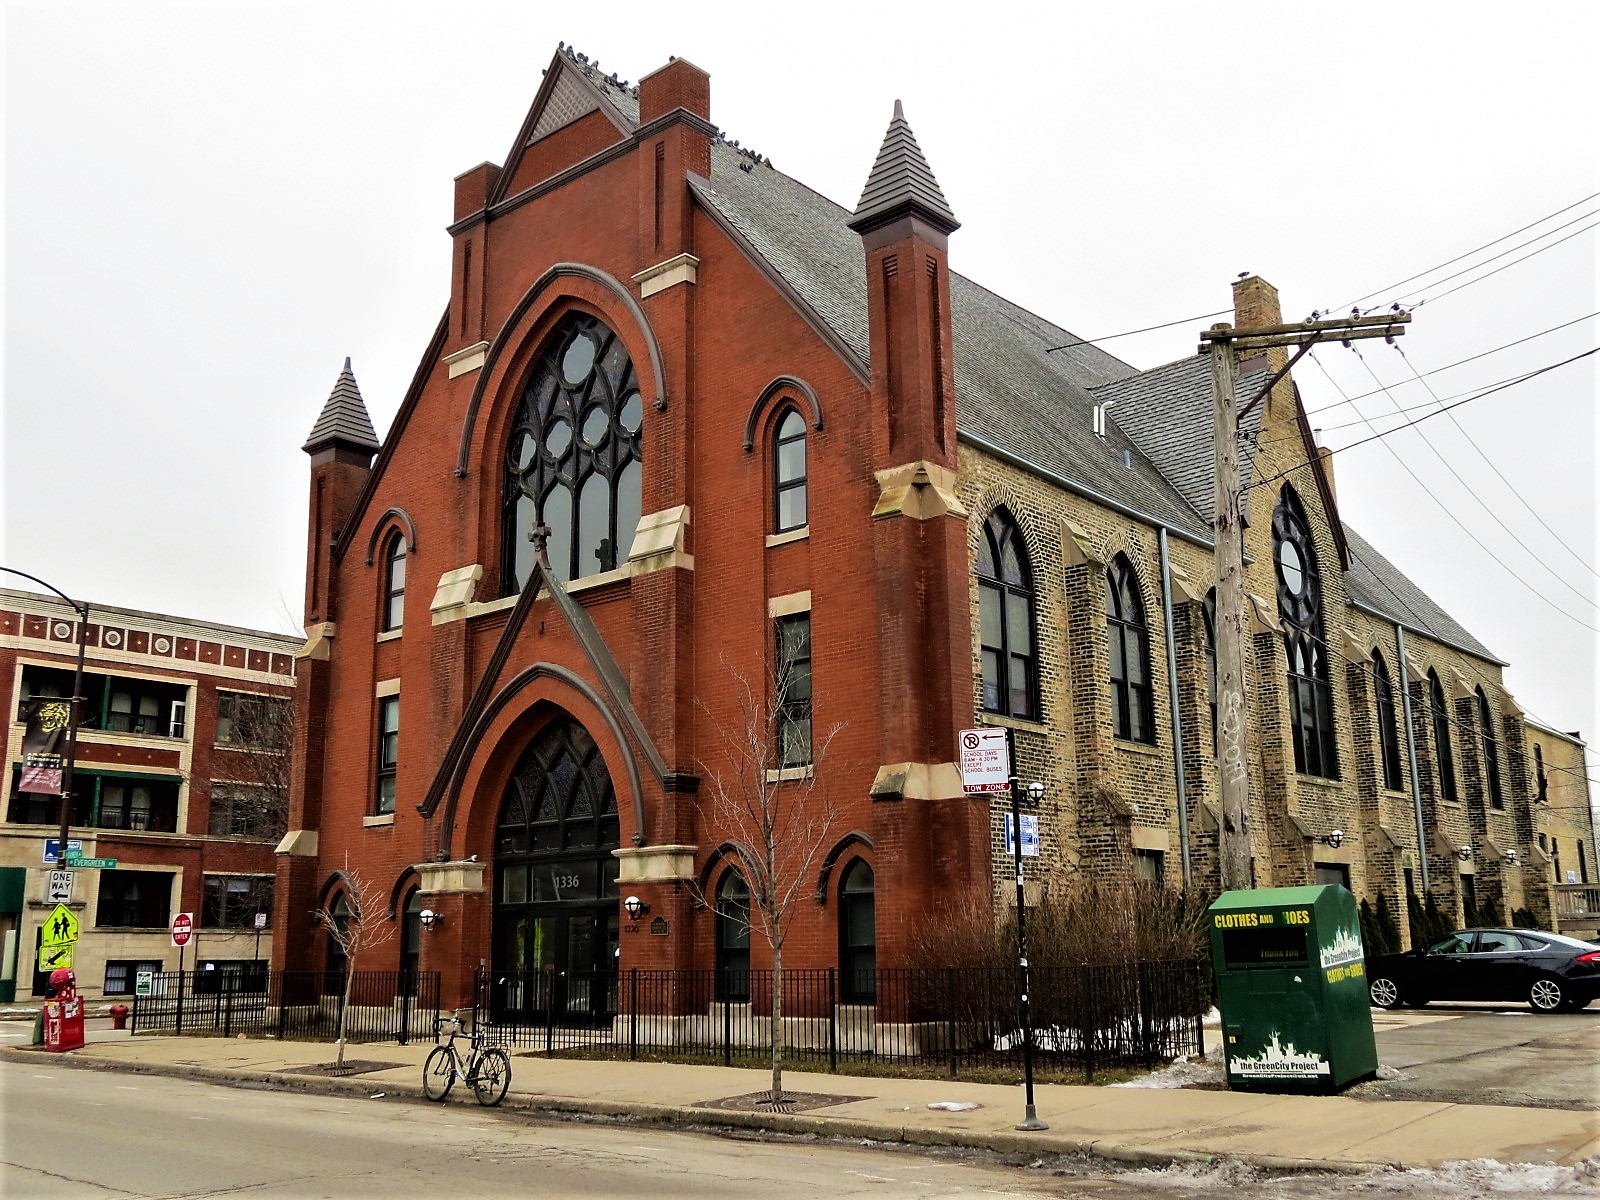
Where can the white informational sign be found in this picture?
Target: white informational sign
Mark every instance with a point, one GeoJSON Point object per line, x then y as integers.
{"type": "Point", "coordinates": [182, 929]}
{"type": "Point", "coordinates": [1030, 836]}
{"type": "Point", "coordinates": [144, 983]}
{"type": "Point", "coordinates": [59, 889]}
{"type": "Point", "coordinates": [261, 920]}
{"type": "Point", "coordinates": [985, 760]}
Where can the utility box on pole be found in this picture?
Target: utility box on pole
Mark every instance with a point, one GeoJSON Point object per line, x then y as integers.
{"type": "Point", "coordinates": [1292, 985]}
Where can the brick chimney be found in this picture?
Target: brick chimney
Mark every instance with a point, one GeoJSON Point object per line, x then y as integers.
{"type": "Point", "coordinates": [679, 84]}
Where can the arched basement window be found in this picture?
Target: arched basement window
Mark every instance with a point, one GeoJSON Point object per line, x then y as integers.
{"type": "Point", "coordinates": [733, 939]}
{"type": "Point", "coordinates": [858, 935]}
{"type": "Point", "coordinates": [573, 456]}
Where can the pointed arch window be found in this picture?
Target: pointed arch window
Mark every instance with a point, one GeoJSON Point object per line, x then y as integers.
{"type": "Point", "coordinates": [1541, 781]}
{"type": "Point", "coordinates": [733, 938]}
{"type": "Point", "coordinates": [1006, 619]}
{"type": "Point", "coordinates": [1300, 609]}
{"type": "Point", "coordinates": [789, 486]}
{"type": "Point", "coordinates": [394, 584]}
{"type": "Point", "coordinates": [1388, 729]}
{"type": "Point", "coordinates": [1491, 752]}
{"type": "Point", "coordinates": [1128, 636]}
{"type": "Point", "coordinates": [858, 935]}
{"type": "Point", "coordinates": [1441, 737]}
{"type": "Point", "coordinates": [573, 457]}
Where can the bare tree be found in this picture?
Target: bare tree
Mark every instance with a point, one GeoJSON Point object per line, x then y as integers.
{"type": "Point", "coordinates": [255, 735]}
{"type": "Point", "coordinates": [768, 795]}
{"type": "Point", "coordinates": [356, 926]}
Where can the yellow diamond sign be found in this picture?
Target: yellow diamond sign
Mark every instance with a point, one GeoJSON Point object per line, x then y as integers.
{"type": "Point", "coordinates": [60, 928]}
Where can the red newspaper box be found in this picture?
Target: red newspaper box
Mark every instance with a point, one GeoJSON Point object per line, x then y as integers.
{"type": "Point", "coordinates": [63, 1016]}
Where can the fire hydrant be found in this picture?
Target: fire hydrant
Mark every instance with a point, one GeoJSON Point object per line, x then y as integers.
{"type": "Point", "coordinates": [63, 1015]}
{"type": "Point", "coordinates": [119, 1016]}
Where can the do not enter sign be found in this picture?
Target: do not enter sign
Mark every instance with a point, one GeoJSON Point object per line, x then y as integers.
{"type": "Point", "coordinates": [182, 929]}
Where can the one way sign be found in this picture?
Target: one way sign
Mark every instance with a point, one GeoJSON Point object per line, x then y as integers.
{"type": "Point", "coordinates": [59, 890]}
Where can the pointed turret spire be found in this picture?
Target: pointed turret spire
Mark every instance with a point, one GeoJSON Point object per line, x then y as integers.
{"type": "Point", "coordinates": [902, 183]}
{"type": "Point", "coordinates": [344, 420]}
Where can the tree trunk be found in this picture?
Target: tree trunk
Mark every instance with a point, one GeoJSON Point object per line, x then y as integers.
{"type": "Point", "coordinates": [777, 1022]}
{"type": "Point", "coordinates": [344, 1005]}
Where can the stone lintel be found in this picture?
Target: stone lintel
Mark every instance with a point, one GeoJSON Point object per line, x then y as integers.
{"type": "Point", "coordinates": [1150, 837]}
{"type": "Point", "coordinates": [656, 864]}
{"type": "Point", "coordinates": [468, 358]}
{"type": "Point", "coordinates": [299, 843]}
{"type": "Point", "coordinates": [459, 876]}
{"type": "Point", "coordinates": [921, 490]}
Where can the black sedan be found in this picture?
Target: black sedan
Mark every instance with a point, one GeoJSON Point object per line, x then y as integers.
{"type": "Point", "coordinates": [1551, 973]}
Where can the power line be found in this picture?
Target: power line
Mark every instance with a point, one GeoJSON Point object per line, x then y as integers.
{"type": "Point", "coordinates": [1490, 463]}
{"type": "Point", "coordinates": [1451, 262]}
{"type": "Point", "coordinates": [1506, 267]}
{"type": "Point", "coordinates": [1111, 337]}
{"type": "Point", "coordinates": [1463, 361]}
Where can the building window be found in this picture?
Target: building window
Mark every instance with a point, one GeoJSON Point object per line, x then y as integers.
{"type": "Point", "coordinates": [1541, 781]}
{"type": "Point", "coordinates": [134, 899]}
{"type": "Point", "coordinates": [1208, 612]}
{"type": "Point", "coordinates": [144, 706]}
{"type": "Point", "coordinates": [1129, 642]}
{"type": "Point", "coordinates": [733, 939]}
{"type": "Point", "coordinates": [1148, 865]}
{"type": "Point", "coordinates": [1331, 874]}
{"type": "Point", "coordinates": [247, 811]}
{"type": "Point", "coordinates": [1491, 752]}
{"type": "Point", "coordinates": [1583, 865]}
{"type": "Point", "coordinates": [572, 459]}
{"type": "Point", "coordinates": [1441, 737]}
{"type": "Point", "coordinates": [1388, 729]}
{"type": "Point", "coordinates": [388, 751]}
{"type": "Point", "coordinates": [411, 943]}
{"type": "Point", "coordinates": [789, 474]}
{"type": "Point", "coordinates": [792, 703]}
{"type": "Point", "coordinates": [1300, 608]}
{"type": "Point", "coordinates": [232, 901]}
{"type": "Point", "coordinates": [126, 804]}
{"type": "Point", "coordinates": [254, 722]}
{"type": "Point", "coordinates": [122, 974]}
{"type": "Point", "coordinates": [1006, 619]}
{"type": "Point", "coordinates": [1469, 899]}
{"type": "Point", "coordinates": [858, 935]}
{"type": "Point", "coordinates": [394, 584]}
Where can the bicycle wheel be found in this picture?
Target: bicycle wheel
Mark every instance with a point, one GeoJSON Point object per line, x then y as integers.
{"type": "Point", "coordinates": [492, 1078]}
{"type": "Point", "coordinates": [438, 1073]}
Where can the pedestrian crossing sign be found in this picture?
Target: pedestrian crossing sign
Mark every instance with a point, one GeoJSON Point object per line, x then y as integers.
{"type": "Point", "coordinates": [60, 928]}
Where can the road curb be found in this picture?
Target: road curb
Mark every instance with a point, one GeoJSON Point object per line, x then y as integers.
{"type": "Point", "coordinates": [692, 1118]}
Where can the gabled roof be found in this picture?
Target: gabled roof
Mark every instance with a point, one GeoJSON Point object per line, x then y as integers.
{"type": "Point", "coordinates": [344, 420]}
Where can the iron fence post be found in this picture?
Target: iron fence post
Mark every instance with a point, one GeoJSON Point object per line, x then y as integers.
{"type": "Point", "coordinates": [833, 1019]}
{"type": "Point", "coordinates": [950, 1016]}
{"type": "Point", "coordinates": [179, 1031]}
{"type": "Point", "coordinates": [1088, 1023]}
{"type": "Point", "coordinates": [1145, 1044]}
{"type": "Point", "coordinates": [727, 1031]}
{"type": "Point", "coordinates": [633, 1012]}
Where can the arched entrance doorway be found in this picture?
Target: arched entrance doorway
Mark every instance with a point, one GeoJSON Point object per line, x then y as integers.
{"type": "Point", "coordinates": [555, 907]}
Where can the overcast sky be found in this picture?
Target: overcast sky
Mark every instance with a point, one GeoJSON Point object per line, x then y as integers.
{"type": "Point", "coordinates": [208, 206]}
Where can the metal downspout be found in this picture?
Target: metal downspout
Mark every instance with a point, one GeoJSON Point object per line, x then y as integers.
{"type": "Point", "coordinates": [1411, 750]}
{"type": "Point", "coordinates": [1177, 719]}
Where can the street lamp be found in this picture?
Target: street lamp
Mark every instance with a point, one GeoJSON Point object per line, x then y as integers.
{"type": "Point", "coordinates": [82, 610]}
{"type": "Point", "coordinates": [1030, 1116]}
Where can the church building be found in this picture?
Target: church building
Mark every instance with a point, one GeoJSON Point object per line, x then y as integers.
{"type": "Point", "coordinates": [709, 496]}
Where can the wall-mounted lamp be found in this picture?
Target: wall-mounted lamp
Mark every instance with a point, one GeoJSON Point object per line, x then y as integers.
{"type": "Point", "coordinates": [1511, 855]}
{"type": "Point", "coordinates": [1035, 793]}
{"type": "Point", "coordinates": [1334, 838]}
{"type": "Point", "coordinates": [1464, 854]}
{"type": "Point", "coordinates": [430, 919]}
{"type": "Point", "coordinates": [636, 907]}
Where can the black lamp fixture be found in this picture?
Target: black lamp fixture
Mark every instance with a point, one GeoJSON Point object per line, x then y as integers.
{"type": "Point", "coordinates": [1334, 838]}
{"type": "Point", "coordinates": [1464, 854]}
{"type": "Point", "coordinates": [636, 907]}
{"type": "Point", "coordinates": [430, 919]}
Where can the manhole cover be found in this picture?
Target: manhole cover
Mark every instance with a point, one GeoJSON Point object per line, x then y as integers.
{"type": "Point", "coordinates": [791, 1102]}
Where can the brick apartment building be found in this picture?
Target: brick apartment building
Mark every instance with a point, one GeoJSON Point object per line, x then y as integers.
{"type": "Point", "coordinates": [773, 438]}
{"type": "Point", "coordinates": [180, 779]}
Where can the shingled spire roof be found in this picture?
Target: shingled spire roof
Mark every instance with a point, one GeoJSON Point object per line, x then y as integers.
{"type": "Point", "coordinates": [901, 182]}
{"type": "Point", "coordinates": [344, 420]}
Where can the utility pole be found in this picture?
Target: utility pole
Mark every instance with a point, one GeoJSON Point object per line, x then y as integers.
{"type": "Point", "coordinates": [1224, 343]}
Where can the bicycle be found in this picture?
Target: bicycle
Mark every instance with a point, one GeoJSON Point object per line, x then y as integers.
{"type": "Point", "coordinates": [486, 1069]}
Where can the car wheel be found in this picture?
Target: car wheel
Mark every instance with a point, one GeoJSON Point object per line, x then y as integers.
{"type": "Point", "coordinates": [1385, 992]}
{"type": "Point", "coordinates": [1546, 995]}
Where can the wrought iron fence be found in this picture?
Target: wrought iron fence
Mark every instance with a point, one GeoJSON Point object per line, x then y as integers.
{"type": "Point", "coordinates": [301, 1005]}
{"type": "Point", "coordinates": [1086, 1018]}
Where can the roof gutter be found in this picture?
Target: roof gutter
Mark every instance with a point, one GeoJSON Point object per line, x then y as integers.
{"type": "Point", "coordinates": [1072, 485]}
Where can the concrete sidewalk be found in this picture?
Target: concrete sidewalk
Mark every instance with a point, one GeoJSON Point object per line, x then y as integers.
{"type": "Point", "coordinates": [1143, 1125]}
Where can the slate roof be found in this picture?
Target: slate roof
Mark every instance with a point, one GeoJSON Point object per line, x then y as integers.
{"type": "Point", "coordinates": [344, 418]}
{"type": "Point", "coordinates": [1376, 583]}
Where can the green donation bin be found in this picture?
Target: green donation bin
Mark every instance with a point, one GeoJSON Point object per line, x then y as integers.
{"type": "Point", "coordinates": [1292, 986]}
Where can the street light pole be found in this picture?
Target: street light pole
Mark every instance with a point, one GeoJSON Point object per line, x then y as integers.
{"type": "Point", "coordinates": [82, 611]}
{"type": "Point", "coordinates": [1030, 1114]}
